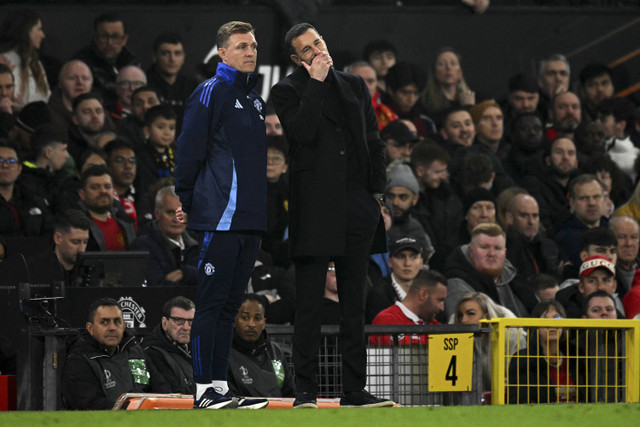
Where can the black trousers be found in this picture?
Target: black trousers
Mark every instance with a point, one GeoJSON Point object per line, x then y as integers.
{"type": "Point", "coordinates": [362, 214]}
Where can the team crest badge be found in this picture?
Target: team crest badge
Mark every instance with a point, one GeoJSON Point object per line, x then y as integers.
{"type": "Point", "coordinates": [132, 312]}
{"type": "Point", "coordinates": [258, 105]}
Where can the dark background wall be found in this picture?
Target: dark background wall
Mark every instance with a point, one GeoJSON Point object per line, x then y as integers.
{"type": "Point", "coordinates": [505, 40]}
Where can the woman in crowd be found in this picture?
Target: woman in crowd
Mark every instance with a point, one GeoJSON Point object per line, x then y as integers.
{"type": "Point", "coordinates": [20, 38]}
{"type": "Point", "coordinates": [446, 86]}
{"type": "Point", "coordinates": [542, 373]}
{"type": "Point", "coordinates": [476, 306]}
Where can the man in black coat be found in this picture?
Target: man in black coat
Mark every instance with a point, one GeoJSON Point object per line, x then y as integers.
{"type": "Point", "coordinates": [337, 172]}
{"type": "Point", "coordinates": [106, 361]}
{"type": "Point", "coordinates": [168, 345]}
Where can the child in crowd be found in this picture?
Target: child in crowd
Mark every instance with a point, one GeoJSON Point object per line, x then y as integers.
{"type": "Point", "coordinates": [159, 153]}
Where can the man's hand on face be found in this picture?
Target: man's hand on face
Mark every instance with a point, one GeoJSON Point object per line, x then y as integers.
{"type": "Point", "coordinates": [320, 65]}
{"type": "Point", "coordinates": [6, 105]}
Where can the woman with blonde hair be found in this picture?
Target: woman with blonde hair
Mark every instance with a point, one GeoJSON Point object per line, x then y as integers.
{"type": "Point", "coordinates": [446, 86]}
{"type": "Point", "coordinates": [20, 38]}
{"type": "Point", "coordinates": [476, 306]}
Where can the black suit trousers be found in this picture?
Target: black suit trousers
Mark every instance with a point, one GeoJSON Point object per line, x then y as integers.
{"type": "Point", "coordinates": [362, 214]}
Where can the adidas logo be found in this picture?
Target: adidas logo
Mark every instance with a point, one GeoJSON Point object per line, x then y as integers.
{"type": "Point", "coordinates": [238, 105]}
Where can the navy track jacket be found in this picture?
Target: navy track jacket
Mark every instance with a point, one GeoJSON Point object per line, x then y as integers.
{"type": "Point", "coordinates": [221, 169]}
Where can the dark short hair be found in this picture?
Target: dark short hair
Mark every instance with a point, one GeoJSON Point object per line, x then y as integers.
{"type": "Point", "coordinates": [69, 218]}
{"type": "Point", "coordinates": [159, 111]}
{"type": "Point", "coordinates": [259, 299]}
{"type": "Point", "coordinates": [427, 279]}
{"type": "Point", "coordinates": [405, 73]}
{"type": "Point", "coordinates": [7, 143]}
{"type": "Point", "coordinates": [444, 116]}
{"type": "Point", "coordinates": [539, 282]}
{"type": "Point", "coordinates": [4, 69]}
{"type": "Point", "coordinates": [426, 152]}
{"type": "Point", "coordinates": [117, 144]}
{"type": "Point", "coordinates": [230, 28]}
{"type": "Point", "coordinates": [601, 236]}
{"type": "Point", "coordinates": [45, 136]}
{"type": "Point", "coordinates": [593, 70]}
{"type": "Point", "coordinates": [179, 302]}
{"type": "Point", "coordinates": [87, 153]}
{"type": "Point", "coordinates": [144, 89]}
{"type": "Point", "coordinates": [543, 306]}
{"type": "Point", "coordinates": [295, 32]}
{"type": "Point", "coordinates": [620, 108]}
{"type": "Point", "coordinates": [95, 170]}
{"type": "Point", "coordinates": [522, 116]}
{"type": "Point", "coordinates": [84, 97]}
{"type": "Point", "coordinates": [583, 179]}
{"type": "Point", "coordinates": [378, 46]}
{"type": "Point", "coordinates": [108, 17]}
{"type": "Point", "coordinates": [279, 142]}
{"type": "Point", "coordinates": [169, 38]}
{"type": "Point", "coordinates": [599, 293]}
{"type": "Point", "coordinates": [100, 302]}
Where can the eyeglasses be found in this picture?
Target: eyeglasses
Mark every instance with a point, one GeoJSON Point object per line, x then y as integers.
{"type": "Point", "coordinates": [9, 163]}
{"type": "Point", "coordinates": [104, 38]}
{"type": "Point", "coordinates": [180, 321]}
{"type": "Point", "coordinates": [123, 84]}
{"type": "Point", "coordinates": [121, 160]}
{"type": "Point", "coordinates": [276, 160]}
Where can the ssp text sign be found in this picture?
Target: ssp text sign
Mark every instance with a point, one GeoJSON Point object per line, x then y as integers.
{"type": "Point", "coordinates": [450, 362]}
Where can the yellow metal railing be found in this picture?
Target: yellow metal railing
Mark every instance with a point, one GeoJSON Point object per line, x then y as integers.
{"type": "Point", "coordinates": [603, 357]}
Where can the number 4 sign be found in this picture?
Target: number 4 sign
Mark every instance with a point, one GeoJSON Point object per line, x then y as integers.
{"type": "Point", "coordinates": [450, 362]}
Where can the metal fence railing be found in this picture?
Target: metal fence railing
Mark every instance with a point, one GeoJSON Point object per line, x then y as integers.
{"type": "Point", "coordinates": [566, 360]}
{"type": "Point", "coordinates": [398, 359]}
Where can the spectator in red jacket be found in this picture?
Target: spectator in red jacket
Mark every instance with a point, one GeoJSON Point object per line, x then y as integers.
{"type": "Point", "coordinates": [423, 302]}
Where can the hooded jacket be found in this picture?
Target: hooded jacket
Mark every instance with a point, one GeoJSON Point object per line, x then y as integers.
{"type": "Point", "coordinates": [464, 278]}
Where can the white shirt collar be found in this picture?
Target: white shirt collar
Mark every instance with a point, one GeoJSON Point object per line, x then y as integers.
{"type": "Point", "coordinates": [401, 293]}
{"type": "Point", "coordinates": [410, 314]}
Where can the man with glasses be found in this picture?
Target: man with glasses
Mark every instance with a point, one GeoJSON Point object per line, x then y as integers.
{"type": "Point", "coordinates": [122, 163]}
{"type": "Point", "coordinates": [107, 53]}
{"type": "Point", "coordinates": [129, 79]}
{"type": "Point", "coordinates": [168, 345]}
{"type": "Point", "coordinates": [22, 213]}
{"type": "Point", "coordinates": [173, 253]}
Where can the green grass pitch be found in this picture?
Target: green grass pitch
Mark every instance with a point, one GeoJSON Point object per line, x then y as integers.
{"type": "Point", "coordinates": [603, 415]}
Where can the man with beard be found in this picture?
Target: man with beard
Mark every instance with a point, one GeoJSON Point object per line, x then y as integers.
{"type": "Point", "coordinates": [482, 266]}
{"type": "Point", "coordinates": [402, 195]}
{"type": "Point", "coordinates": [457, 129]}
{"type": "Point", "coordinates": [585, 201]}
{"type": "Point", "coordinates": [522, 98]}
{"type": "Point", "coordinates": [596, 86]}
{"type": "Point", "coordinates": [111, 228]}
{"type": "Point", "coordinates": [438, 209]}
{"type": "Point", "coordinates": [565, 115]}
{"type": "Point", "coordinates": [549, 185]}
{"type": "Point", "coordinates": [88, 123]}
{"type": "Point", "coordinates": [528, 251]}
{"type": "Point", "coordinates": [527, 147]}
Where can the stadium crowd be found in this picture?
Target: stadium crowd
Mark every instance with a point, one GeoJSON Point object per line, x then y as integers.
{"type": "Point", "coordinates": [508, 202]}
